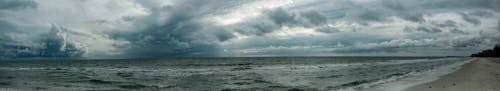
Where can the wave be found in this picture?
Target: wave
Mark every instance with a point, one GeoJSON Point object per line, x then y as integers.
{"type": "Point", "coordinates": [399, 82]}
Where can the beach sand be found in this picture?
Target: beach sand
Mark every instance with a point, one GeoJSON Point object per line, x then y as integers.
{"type": "Point", "coordinates": [482, 74]}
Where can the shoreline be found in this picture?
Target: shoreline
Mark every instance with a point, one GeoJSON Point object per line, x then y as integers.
{"type": "Point", "coordinates": [417, 78]}
{"type": "Point", "coordinates": [482, 74]}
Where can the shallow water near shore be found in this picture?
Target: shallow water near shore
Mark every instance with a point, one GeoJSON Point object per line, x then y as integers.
{"type": "Point", "coordinates": [216, 74]}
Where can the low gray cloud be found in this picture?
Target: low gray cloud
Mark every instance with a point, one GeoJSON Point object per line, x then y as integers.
{"type": "Point", "coordinates": [447, 23]}
{"type": "Point", "coordinates": [428, 29]}
{"type": "Point", "coordinates": [328, 30]}
{"type": "Point", "coordinates": [276, 19]}
{"type": "Point", "coordinates": [6, 27]}
{"type": "Point", "coordinates": [17, 4]}
{"type": "Point", "coordinates": [463, 4]}
{"type": "Point", "coordinates": [498, 25]}
{"type": "Point", "coordinates": [471, 19]}
{"type": "Point", "coordinates": [258, 28]}
{"type": "Point", "coordinates": [458, 31]}
{"type": "Point", "coordinates": [423, 29]}
{"type": "Point", "coordinates": [282, 17]}
{"type": "Point", "coordinates": [315, 17]}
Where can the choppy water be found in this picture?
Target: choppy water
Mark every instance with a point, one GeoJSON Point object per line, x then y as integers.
{"type": "Point", "coordinates": [213, 74]}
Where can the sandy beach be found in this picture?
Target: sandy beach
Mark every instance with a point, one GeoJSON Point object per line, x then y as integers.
{"type": "Point", "coordinates": [482, 74]}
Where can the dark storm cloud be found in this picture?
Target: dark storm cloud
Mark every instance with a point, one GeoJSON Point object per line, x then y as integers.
{"type": "Point", "coordinates": [178, 30]}
{"type": "Point", "coordinates": [12, 50]}
{"type": "Point", "coordinates": [180, 34]}
{"type": "Point", "coordinates": [57, 44]}
{"type": "Point", "coordinates": [17, 4]}
{"type": "Point", "coordinates": [193, 28]}
{"type": "Point", "coordinates": [9, 46]}
{"type": "Point", "coordinates": [52, 44]}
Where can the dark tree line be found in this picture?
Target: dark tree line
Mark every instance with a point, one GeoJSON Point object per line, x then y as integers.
{"type": "Point", "coordinates": [495, 52]}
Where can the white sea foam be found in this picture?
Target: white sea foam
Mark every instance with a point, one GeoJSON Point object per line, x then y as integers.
{"type": "Point", "coordinates": [400, 83]}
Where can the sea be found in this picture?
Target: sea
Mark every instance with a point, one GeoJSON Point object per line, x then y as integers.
{"type": "Point", "coordinates": [226, 74]}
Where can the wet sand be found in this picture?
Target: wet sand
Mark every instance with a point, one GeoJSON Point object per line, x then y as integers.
{"type": "Point", "coordinates": [482, 74]}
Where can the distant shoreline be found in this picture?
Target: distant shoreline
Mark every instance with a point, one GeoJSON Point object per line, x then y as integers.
{"type": "Point", "coordinates": [482, 74]}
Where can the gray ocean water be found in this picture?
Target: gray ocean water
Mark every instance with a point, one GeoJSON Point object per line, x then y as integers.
{"type": "Point", "coordinates": [211, 74]}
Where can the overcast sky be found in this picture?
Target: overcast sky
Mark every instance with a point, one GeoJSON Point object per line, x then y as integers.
{"type": "Point", "coordinates": [243, 28]}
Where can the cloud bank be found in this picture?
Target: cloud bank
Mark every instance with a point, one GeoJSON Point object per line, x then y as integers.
{"type": "Point", "coordinates": [229, 28]}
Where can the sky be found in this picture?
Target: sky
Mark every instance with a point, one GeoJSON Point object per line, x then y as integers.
{"type": "Point", "coordinates": [246, 28]}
